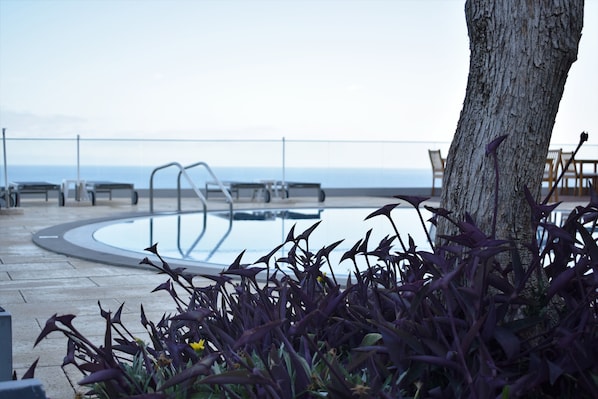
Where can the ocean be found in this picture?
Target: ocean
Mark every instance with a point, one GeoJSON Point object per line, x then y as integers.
{"type": "Point", "coordinates": [167, 178]}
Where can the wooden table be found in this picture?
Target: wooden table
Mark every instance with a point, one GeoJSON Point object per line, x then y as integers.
{"type": "Point", "coordinates": [587, 174]}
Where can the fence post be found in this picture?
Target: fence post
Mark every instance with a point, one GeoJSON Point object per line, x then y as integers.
{"type": "Point", "coordinates": [7, 187]}
{"type": "Point", "coordinates": [284, 153]}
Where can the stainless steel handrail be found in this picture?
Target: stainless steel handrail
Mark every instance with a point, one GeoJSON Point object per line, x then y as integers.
{"type": "Point", "coordinates": [183, 172]}
{"type": "Point", "coordinates": [189, 180]}
{"type": "Point", "coordinates": [226, 193]}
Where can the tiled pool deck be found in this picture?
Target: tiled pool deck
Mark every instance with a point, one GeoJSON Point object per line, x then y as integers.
{"type": "Point", "coordinates": [36, 283]}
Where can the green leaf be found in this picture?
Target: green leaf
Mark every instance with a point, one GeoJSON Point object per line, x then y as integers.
{"type": "Point", "coordinates": [370, 339]}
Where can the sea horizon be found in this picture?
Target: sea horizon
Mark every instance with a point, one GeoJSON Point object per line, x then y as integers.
{"type": "Point", "coordinates": [139, 176]}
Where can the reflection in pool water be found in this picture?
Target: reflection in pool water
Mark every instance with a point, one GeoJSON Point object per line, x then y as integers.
{"type": "Point", "coordinates": [215, 238]}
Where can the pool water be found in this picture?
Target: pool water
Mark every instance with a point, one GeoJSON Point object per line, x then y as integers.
{"type": "Point", "coordinates": [213, 238]}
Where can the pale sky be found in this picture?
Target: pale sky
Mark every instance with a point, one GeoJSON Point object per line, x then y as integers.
{"type": "Point", "coordinates": [391, 70]}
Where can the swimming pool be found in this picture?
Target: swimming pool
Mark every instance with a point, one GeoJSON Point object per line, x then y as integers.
{"type": "Point", "coordinates": [207, 244]}
{"type": "Point", "coordinates": [217, 240]}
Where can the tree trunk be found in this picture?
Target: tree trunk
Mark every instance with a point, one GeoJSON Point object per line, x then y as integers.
{"type": "Point", "coordinates": [521, 53]}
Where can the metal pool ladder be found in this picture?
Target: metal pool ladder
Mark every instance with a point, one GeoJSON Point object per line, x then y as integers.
{"type": "Point", "coordinates": [183, 172]}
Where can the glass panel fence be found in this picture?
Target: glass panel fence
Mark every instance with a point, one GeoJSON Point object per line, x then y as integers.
{"type": "Point", "coordinates": [334, 164]}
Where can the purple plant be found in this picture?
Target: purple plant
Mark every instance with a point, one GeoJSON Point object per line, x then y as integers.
{"type": "Point", "coordinates": [452, 322]}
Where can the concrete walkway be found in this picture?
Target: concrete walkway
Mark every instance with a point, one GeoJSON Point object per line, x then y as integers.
{"type": "Point", "coordinates": [35, 283]}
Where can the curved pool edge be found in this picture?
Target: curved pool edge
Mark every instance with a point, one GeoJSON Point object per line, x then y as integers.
{"type": "Point", "coordinates": [75, 239]}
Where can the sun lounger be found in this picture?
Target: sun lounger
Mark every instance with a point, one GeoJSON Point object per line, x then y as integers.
{"type": "Point", "coordinates": [284, 189]}
{"type": "Point", "coordinates": [267, 188]}
{"type": "Point", "coordinates": [309, 186]}
{"type": "Point", "coordinates": [234, 187]}
{"type": "Point", "coordinates": [96, 187]}
{"type": "Point", "coordinates": [35, 187]}
{"type": "Point", "coordinates": [11, 198]}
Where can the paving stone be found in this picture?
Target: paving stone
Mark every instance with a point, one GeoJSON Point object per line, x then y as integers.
{"type": "Point", "coordinates": [43, 287]}
{"type": "Point", "coordinates": [46, 266]}
{"type": "Point", "coordinates": [10, 296]}
{"type": "Point", "coordinates": [85, 306]}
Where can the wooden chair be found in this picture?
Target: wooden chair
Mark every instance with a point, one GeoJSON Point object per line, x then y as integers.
{"type": "Point", "coordinates": [437, 167]}
{"type": "Point", "coordinates": [551, 169]}
{"type": "Point", "coordinates": [571, 173]}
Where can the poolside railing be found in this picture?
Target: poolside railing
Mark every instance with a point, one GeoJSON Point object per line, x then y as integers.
{"type": "Point", "coordinates": [371, 163]}
{"type": "Point", "coordinates": [183, 172]}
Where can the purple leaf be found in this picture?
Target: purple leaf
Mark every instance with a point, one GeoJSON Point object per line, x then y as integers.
{"type": "Point", "coordinates": [51, 326]}
{"type": "Point", "coordinates": [266, 258]}
{"type": "Point", "coordinates": [325, 251]}
{"type": "Point", "coordinates": [493, 146]}
{"type": "Point", "coordinates": [190, 374]}
{"type": "Point", "coordinates": [256, 333]}
{"type": "Point", "coordinates": [350, 254]}
{"type": "Point", "coordinates": [218, 279]}
{"type": "Point", "coordinates": [291, 235]}
{"type": "Point", "coordinates": [237, 262]}
{"type": "Point", "coordinates": [101, 376]}
{"type": "Point", "coordinates": [70, 353]}
{"type": "Point", "coordinates": [250, 272]}
{"type": "Point", "coordinates": [415, 201]}
{"type": "Point", "coordinates": [305, 235]}
{"type": "Point", "coordinates": [560, 281]}
{"type": "Point", "coordinates": [146, 261]}
{"type": "Point", "coordinates": [165, 286]}
{"type": "Point", "coordinates": [385, 211]}
{"type": "Point", "coordinates": [554, 371]}
{"type": "Point", "coordinates": [438, 211]}
{"type": "Point", "coordinates": [30, 373]}
{"type": "Point", "coordinates": [363, 248]}
{"type": "Point", "coordinates": [193, 315]}
{"type": "Point", "coordinates": [153, 249]}
{"type": "Point", "coordinates": [117, 315]}
{"type": "Point", "coordinates": [508, 341]}
{"type": "Point", "coordinates": [589, 242]}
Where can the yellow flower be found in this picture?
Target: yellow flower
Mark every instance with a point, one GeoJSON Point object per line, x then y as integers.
{"type": "Point", "coordinates": [198, 346]}
{"type": "Point", "coordinates": [321, 278]}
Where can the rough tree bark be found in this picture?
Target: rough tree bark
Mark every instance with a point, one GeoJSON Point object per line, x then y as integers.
{"type": "Point", "coordinates": [521, 53]}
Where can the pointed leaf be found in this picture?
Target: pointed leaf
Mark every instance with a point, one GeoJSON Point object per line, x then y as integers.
{"type": "Point", "coordinates": [101, 376]}
{"type": "Point", "coordinates": [153, 249]}
{"type": "Point", "coordinates": [237, 262]}
{"type": "Point", "coordinates": [117, 314]}
{"type": "Point", "coordinates": [554, 371]}
{"type": "Point", "coordinates": [560, 281]}
{"type": "Point", "coordinates": [266, 258]}
{"type": "Point", "coordinates": [193, 315]}
{"type": "Point", "coordinates": [305, 235]}
{"type": "Point", "coordinates": [384, 211]}
{"type": "Point", "coordinates": [250, 272]}
{"type": "Point", "coordinates": [493, 145]}
{"type": "Point", "coordinates": [70, 353]}
{"type": "Point", "coordinates": [30, 373]}
{"type": "Point", "coordinates": [189, 374]}
{"type": "Point", "coordinates": [508, 341]}
{"type": "Point", "coordinates": [256, 333]}
{"type": "Point", "coordinates": [414, 200]}
{"type": "Point", "coordinates": [291, 235]}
